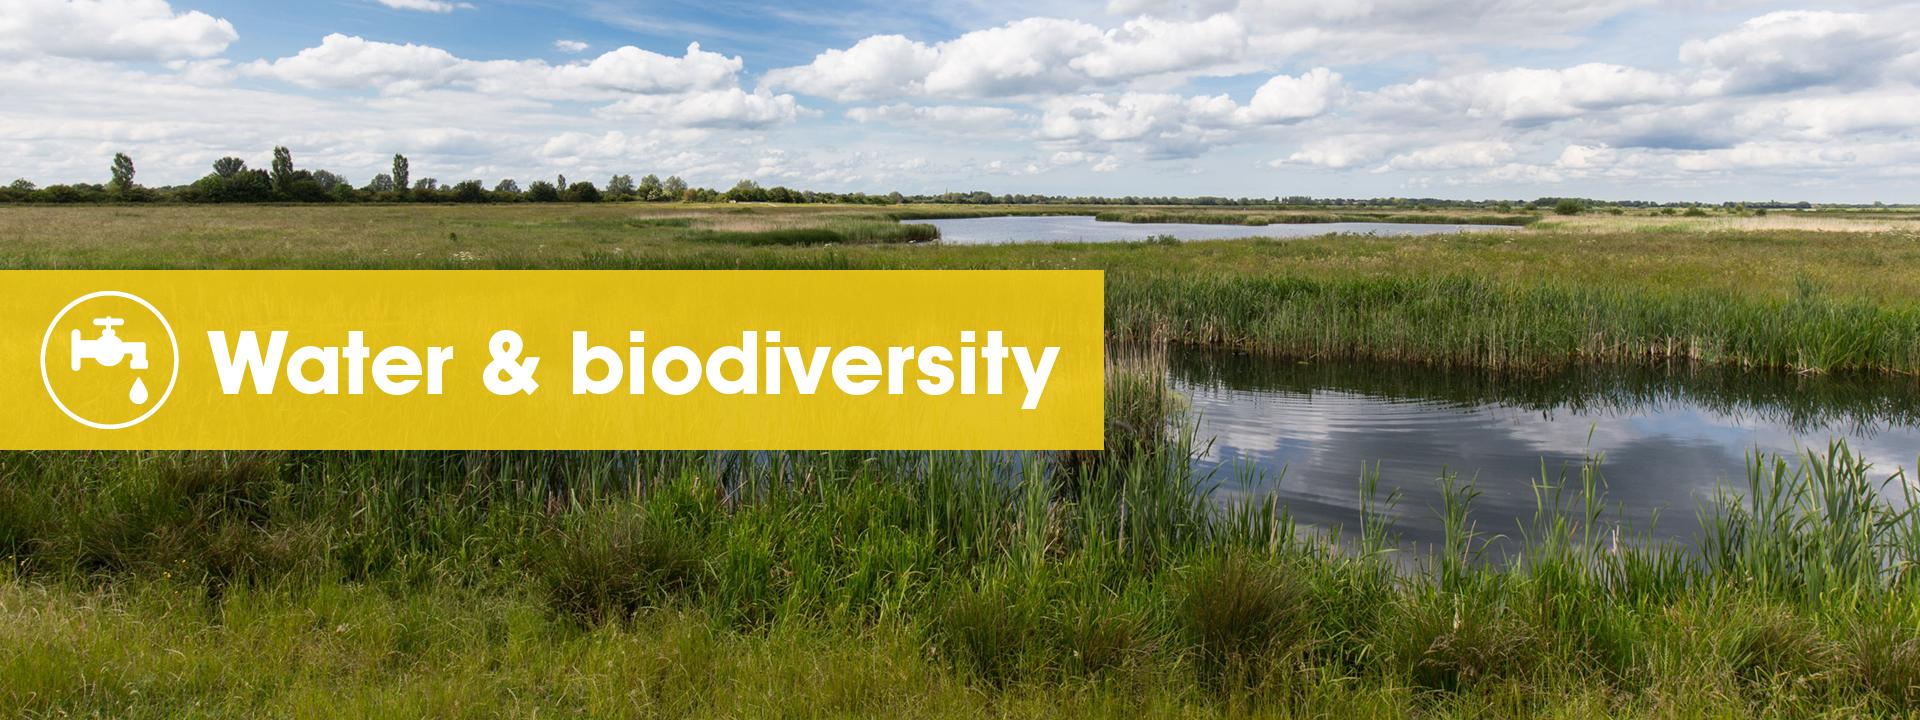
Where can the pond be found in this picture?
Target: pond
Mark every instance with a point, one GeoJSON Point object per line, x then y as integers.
{"type": "Point", "coordinates": [1083, 228]}
{"type": "Point", "coordinates": [1668, 438]}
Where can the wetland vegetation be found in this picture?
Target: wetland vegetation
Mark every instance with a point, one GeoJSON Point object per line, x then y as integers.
{"type": "Point", "coordinates": [952, 584]}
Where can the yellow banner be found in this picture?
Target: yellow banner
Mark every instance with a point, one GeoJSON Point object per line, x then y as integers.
{"type": "Point", "coordinates": [550, 360]}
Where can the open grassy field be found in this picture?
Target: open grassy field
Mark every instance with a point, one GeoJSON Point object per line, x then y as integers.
{"type": "Point", "coordinates": [960, 585]}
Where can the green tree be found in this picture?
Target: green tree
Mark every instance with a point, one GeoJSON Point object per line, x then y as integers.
{"type": "Point", "coordinates": [674, 189]}
{"type": "Point", "coordinates": [22, 185]}
{"type": "Point", "coordinates": [583, 192]}
{"type": "Point", "coordinates": [327, 180]}
{"type": "Point", "coordinates": [401, 172]}
{"type": "Point", "coordinates": [621, 187]}
{"type": "Point", "coordinates": [651, 190]}
{"type": "Point", "coordinates": [227, 167]}
{"type": "Point", "coordinates": [122, 173]}
{"type": "Point", "coordinates": [1569, 207]}
{"type": "Point", "coordinates": [470, 191]}
{"type": "Point", "coordinates": [382, 183]}
{"type": "Point", "coordinates": [542, 191]}
{"type": "Point", "coordinates": [747, 191]}
{"type": "Point", "coordinates": [507, 187]}
{"type": "Point", "coordinates": [282, 170]}
{"type": "Point", "coordinates": [242, 186]}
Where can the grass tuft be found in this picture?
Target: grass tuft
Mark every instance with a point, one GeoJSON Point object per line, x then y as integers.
{"type": "Point", "coordinates": [1884, 658]}
{"type": "Point", "coordinates": [1454, 643]}
{"type": "Point", "coordinates": [1772, 649]}
{"type": "Point", "coordinates": [607, 564]}
{"type": "Point", "coordinates": [1241, 613]}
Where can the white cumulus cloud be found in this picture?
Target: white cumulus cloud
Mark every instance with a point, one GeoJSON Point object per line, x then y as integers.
{"type": "Point", "coordinates": [432, 6]}
{"type": "Point", "coordinates": [1785, 51]}
{"type": "Point", "coordinates": [1026, 57]}
{"type": "Point", "coordinates": [959, 116]}
{"type": "Point", "coordinates": [1531, 95]}
{"type": "Point", "coordinates": [110, 30]}
{"type": "Point", "coordinates": [1454, 156]}
{"type": "Point", "coordinates": [348, 62]}
{"type": "Point", "coordinates": [730, 108]}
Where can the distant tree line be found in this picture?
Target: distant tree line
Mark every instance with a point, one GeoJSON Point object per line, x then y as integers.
{"type": "Point", "coordinates": [233, 182]}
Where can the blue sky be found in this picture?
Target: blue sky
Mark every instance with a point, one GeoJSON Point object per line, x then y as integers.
{"type": "Point", "coordinates": [1628, 99]}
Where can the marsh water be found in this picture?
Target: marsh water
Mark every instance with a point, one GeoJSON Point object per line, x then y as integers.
{"type": "Point", "coordinates": [1667, 437]}
{"type": "Point", "coordinates": [1083, 228]}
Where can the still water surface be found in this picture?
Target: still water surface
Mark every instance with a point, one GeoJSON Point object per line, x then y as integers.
{"type": "Point", "coordinates": [1668, 437]}
{"type": "Point", "coordinates": [1082, 228]}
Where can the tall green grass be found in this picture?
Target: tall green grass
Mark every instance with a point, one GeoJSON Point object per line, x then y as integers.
{"type": "Point", "coordinates": [1801, 598]}
{"type": "Point", "coordinates": [1464, 321]}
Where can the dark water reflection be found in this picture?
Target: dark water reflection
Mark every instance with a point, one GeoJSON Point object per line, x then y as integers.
{"type": "Point", "coordinates": [1668, 437]}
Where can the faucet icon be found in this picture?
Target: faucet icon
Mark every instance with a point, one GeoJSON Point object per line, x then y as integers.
{"type": "Point", "coordinates": [109, 350]}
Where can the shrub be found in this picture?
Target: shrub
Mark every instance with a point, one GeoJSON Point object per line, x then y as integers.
{"type": "Point", "coordinates": [1569, 207]}
{"type": "Point", "coordinates": [65, 194]}
{"type": "Point", "coordinates": [470, 191]}
{"type": "Point", "coordinates": [241, 186]}
{"type": "Point", "coordinates": [583, 192]}
{"type": "Point", "coordinates": [542, 191]}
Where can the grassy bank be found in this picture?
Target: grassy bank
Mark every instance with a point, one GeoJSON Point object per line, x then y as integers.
{"type": "Point", "coordinates": [919, 584]}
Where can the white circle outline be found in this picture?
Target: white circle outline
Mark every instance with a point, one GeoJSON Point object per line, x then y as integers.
{"type": "Point", "coordinates": [47, 381]}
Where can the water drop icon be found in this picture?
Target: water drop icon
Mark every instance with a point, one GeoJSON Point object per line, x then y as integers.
{"type": "Point", "coordinates": [139, 392]}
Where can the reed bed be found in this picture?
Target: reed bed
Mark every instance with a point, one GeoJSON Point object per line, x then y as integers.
{"type": "Point", "coordinates": [1260, 218]}
{"type": "Point", "coordinates": [927, 583]}
{"type": "Point", "coordinates": [1464, 321]}
{"type": "Point", "coordinates": [831, 231]}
